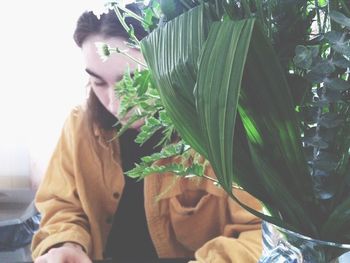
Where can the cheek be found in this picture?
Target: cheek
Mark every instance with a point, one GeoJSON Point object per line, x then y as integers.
{"type": "Point", "coordinates": [102, 95]}
{"type": "Point", "coordinates": [107, 98]}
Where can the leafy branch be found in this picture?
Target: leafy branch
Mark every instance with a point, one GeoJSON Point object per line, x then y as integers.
{"type": "Point", "coordinates": [275, 123]}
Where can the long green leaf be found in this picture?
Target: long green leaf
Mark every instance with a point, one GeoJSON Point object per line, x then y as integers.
{"type": "Point", "coordinates": [218, 87]}
{"type": "Point", "coordinates": [171, 53]}
{"type": "Point", "coordinates": [338, 222]}
{"type": "Point", "coordinates": [267, 111]}
{"type": "Point", "coordinates": [218, 94]}
{"type": "Point", "coordinates": [199, 77]}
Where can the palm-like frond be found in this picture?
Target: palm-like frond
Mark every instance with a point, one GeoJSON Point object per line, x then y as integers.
{"type": "Point", "coordinates": [226, 92]}
{"type": "Point", "coordinates": [199, 76]}
{"type": "Point", "coordinates": [174, 69]}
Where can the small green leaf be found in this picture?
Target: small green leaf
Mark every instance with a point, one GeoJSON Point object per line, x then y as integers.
{"type": "Point", "coordinates": [338, 42]}
{"type": "Point", "coordinates": [303, 57]}
{"type": "Point", "coordinates": [151, 15]}
{"type": "Point", "coordinates": [322, 3]}
{"type": "Point", "coordinates": [341, 61]}
{"type": "Point", "coordinates": [313, 77]}
{"type": "Point", "coordinates": [334, 37]}
{"type": "Point", "coordinates": [314, 50]}
{"type": "Point", "coordinates": [141, 171]}
{"type": "Point", "coordinates": [164, 118]}
{"type": "Point", "coordinates": [166, 152]}
{"type": "Point", "coordinates": [143, 81]}
{"type": "Point", "coordinates": [196, 169]}
{"type": "Point", "coordinates": [325, 162]}
{"type": "Point", "coordinates": [337, 84]}
{"type": "Point", "coordinates": [329, 120]}
{"type": "Point", "coordinates": [323, 68]}
{"type": "Point", "coordinates": [340, 18]}
{"type": "Point", "coordinates": [333, 95]}
{"type": "Point", "coordinates": [342, 48]}
{"type": "Point", "coordinates": [316, 141]}
{"type": "Point", "coordinates": [148, 129]}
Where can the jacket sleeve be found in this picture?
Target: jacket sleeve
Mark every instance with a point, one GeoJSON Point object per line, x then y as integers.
{"type": "Point", "coordinates": [57, 198]}
{"type": "Point", "coordinates": [241, 240]}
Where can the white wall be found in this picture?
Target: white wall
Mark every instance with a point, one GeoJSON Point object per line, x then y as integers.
{"type": "Point", "coordinates": [42, 78]}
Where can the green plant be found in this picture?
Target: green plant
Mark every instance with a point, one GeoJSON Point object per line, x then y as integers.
{"type": "Point", "coordinates": [261, 90]}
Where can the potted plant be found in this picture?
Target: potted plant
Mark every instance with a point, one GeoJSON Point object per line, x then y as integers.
{"type": "Point", "coordinates": [260, 89]}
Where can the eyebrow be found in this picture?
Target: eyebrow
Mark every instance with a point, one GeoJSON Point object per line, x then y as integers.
{"type": "Point", "coordinates": [91, 73]}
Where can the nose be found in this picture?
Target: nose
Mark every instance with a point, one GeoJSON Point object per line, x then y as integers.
{"type": "Point", "coordinates": [113, 100]}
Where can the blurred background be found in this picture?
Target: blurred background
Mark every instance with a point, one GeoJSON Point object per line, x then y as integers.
{"type": "Point", "coordinates": [42, 79]}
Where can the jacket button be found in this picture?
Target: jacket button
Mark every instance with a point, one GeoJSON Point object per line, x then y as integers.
{"type": "Point", "coordinates": [109, 220]}
{"type": "Point", "coordinates": [116, 195]}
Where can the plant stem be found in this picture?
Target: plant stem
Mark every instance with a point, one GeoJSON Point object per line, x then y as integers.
{"type": "Point", "coordinates": [125, 53]}
{"type": "Point", "coordinates": [217, 182]}
{"type": "Point", "coordinates": [126, 27]}
{"type": "Point", "coordinates": [132, 14]}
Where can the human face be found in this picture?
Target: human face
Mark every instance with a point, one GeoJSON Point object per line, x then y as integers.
{"type": "Point", "coordinates": [104, 75]}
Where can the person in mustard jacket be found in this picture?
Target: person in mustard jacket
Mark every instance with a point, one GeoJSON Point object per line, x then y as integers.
{"type": "Point", "coordinates": [91, 210]}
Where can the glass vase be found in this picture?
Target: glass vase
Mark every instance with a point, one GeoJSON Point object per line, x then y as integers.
{"type": "Point", "coordinates": [284, 246]}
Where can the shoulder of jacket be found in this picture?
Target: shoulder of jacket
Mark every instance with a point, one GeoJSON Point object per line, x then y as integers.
{"type": "Point", "coordinates": [78, 121]}
{"type": "Point", "coordinates": [78, 111]}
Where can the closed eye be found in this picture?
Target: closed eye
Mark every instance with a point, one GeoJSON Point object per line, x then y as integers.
{"type": "Point", "coordinates": [99, 83]}
{"type": "Point", "coordinates": [96, 79]}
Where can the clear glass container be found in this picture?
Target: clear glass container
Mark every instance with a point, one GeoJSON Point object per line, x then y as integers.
{"type": "Point", "coordinates": [285, 246]}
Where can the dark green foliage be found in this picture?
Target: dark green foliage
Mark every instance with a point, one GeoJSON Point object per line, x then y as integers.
{"type": "Point", "coordinates": [261, 90]}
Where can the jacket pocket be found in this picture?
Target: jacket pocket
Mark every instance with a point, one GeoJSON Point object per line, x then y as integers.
{"type": "Point", "coordinates": [196, 217]}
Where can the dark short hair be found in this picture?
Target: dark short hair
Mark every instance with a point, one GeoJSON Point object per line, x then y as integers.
{"type": "Point", "coordinates": [108, 25]}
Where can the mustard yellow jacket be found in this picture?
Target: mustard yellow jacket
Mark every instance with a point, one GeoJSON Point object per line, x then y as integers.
{"type": "Point", "coordinates": [83, 185]}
